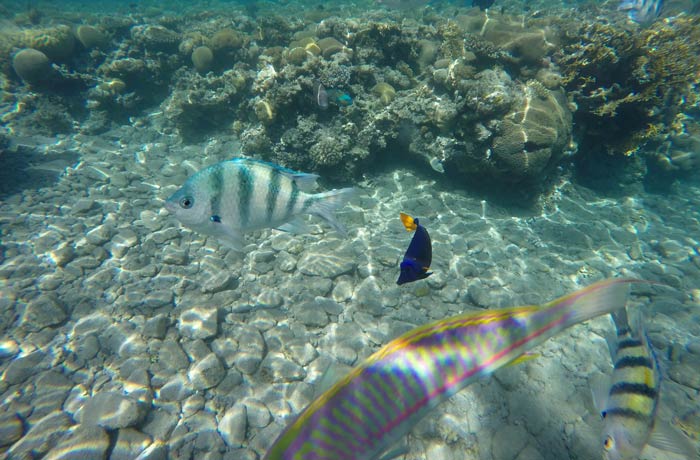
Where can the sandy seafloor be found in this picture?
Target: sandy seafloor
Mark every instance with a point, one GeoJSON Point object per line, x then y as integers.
{"type": "Point", "coordinates": [199, 352]}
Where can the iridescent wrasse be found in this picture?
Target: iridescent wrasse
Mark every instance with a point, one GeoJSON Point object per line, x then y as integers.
{"type": "Point", "coordinates": [642, 11]}
{"type": "Point", "coordinates": [419, 255]}
{"type": "Point", "coordinates": [233, 197]}
{"type": "Point", "coordinates": [629, 402]}
{"type": "Point", "coordinates": [379, 401]}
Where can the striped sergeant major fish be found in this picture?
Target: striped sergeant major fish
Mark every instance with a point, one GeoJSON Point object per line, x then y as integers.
{"type": "Point", "coordinates": [379, 401]}
{"type": "Point", "coordinates": [629, 401]}
{"type": "Point", "coordinates": [233, 197]}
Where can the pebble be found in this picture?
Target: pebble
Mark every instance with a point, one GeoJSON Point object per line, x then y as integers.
{"type": "Point", "coordinates": [251, 350]}
{"type": "Point", "coordinates": [8, 349]}
{"type": "Point", "coordinates": [225, 348]}
{"type": "Point", "coordinates": [368, 297]}
{"type": "Point", "coordinates": [62, 255]}
{"type": "Point", "coordinates": [508, 441]}
{"type": "Point", "coordinates": [206, 373]}
{"type": "Point", "coordinates": [100, 234]}
{"type": "Point", "coordinates": [172, 356]}
{"type": "Point", "coordinates": [24, 366]}
{"type": "Point", "coordinates": [10, 428]}
{"type": "Point", "coordinates": [84, 442]}
{"type": "Point", "coordinates": [232, 426]}
{"type": "Point", "coordinates": [311, 315]}
{"type": "Point", "coordinates": [325, 265]}
{"type": "Point", "coordinates": [121, 242]}
{"type": "Point", "coordinates": [110, 410]}
{"type": "Point", "coordinates": [156, 327]}
{"type": "Point", "coordinates": [43, 311]}
{"type": "Point", "coordinates": [175, 389]}
{"type": "Point", "coordinates": [41, 437]}
{"type": "Point", "coordinates": [174, 256]}
{"type": "Point", "coordinates": [155, 451]}
{"type": "Point", "coordinates": [269, 298]}
{"type": "Point", "coordinates": [221, 281]}
{"type": "Point", "coordinates": [198, 323]}
{"type": "Point", "coordinates": [130, 443]}
{"type": "Point", "coordinates": [257, 413]}
{"type": "Point", "coordinates": [279, 369]}
{"type": "Point", "coordinates": [159, 424]}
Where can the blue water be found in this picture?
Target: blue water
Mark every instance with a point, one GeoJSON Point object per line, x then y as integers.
{"type": "Point", "coordinates": [543, 147]}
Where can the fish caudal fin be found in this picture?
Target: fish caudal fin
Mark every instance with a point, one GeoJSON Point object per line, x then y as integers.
{"type": "Point", "coordinates": [597, 299]}
{"type": "Point", "coordinates": [326, 203]}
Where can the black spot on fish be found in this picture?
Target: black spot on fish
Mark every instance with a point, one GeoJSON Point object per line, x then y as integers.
{"type": "Point", "coordinates": [627, 413]}
{"type": "Point", "coordinates": [634, 361]}
{"type": "Point", "coordinates": [634, 388]}
{"type": "Point", "coordinates": [216, 219]}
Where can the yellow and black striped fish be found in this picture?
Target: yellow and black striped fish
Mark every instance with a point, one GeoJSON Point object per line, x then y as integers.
{"type": "Point", "coordinates": [630, 403]}
{"type": "Point", "coordinates": [228, 199]}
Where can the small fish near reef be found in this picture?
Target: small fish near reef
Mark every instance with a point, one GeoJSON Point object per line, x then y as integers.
{"type": "Point", "coordinates": [233, 197]}
{"type": "Point", "coordinates": [419, 255]}
{"type": "Point", "coordinates": [629, 401]}
{"type": "Point", "coordinates": [324, 97]}
{"type": "Point", "coordinates": [382, 399]}
{"type": "Point", "coordinates": [642, 11]}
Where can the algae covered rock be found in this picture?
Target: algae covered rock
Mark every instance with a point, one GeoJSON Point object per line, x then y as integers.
{"type": "Point", "coordinates": [58, 43]}
{"type": "Point", "coordinates": [202, 58]}
{"type": "Point", "coordinates": [31, 65]}
{"type": "Point", "coordinates": [91, 37]}
{"type": "Point", "coordinates": [534, 135]}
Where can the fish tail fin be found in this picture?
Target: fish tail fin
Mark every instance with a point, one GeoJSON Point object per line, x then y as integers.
{"type": "Point", "coordinates": [326, 203]}
{"type": "Point", "coordinates": [597, 299]}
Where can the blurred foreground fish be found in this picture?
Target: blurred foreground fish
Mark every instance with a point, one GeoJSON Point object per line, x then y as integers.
{"type": "Point", "coordinates": [378, 402]}
{"type": "Point", "coordinates": [629, 401]}
{"type": "Point", "coordinates": [230, 198]}
{"type": "Point", "coordinates": [642, 11]}
{"type": "Point", "coordinates": [419, 255]}
{"type": "Point", "coordinates": [483, 4]}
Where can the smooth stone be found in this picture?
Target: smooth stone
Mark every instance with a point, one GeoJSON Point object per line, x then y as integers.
{"type": "Point", "coordinates": [84, 442]}
{"type": "Point", "coordinates": [42, 437]}
{"type": "Point", "coordinates": [43, 311]}
{"type": "Point", "coordinates": [311, 315]}
{"type": "Point", "coordinates": [155, 451]}
{"type": "Point", "coordinates": [110, 410]}
{"type": "Point", "coordinates": [508, 441]}
{"type": "Point", "coordinates": [198, 323]}
{"type": "Point", "coordinates": [257, 413]}
{"type": "Point", "coordinates": [172, 356]}
{"type": "Point", "coordinates": [10, 428]}
{"type": "Point", "coordinates": [269, 298]}
{"type": "Point", "coordinates": [175, 389]}
{"type": "Point", "coordinates": [8, 349]}
{"type": "Point", "coordinates": [301, 351]}
{"type": "Point", "coordinates": [251, 350]}
{"type": "Point", "coordinates": [325, 265]}
{"type": "Point", "coordinates": [156, 327]}
{"type": "Point", "coordinates": [221, 281]}
{"type": "Point", "coordinates": [159, 424]}
{"type": "Point", "coordinates": [24, 366]}
{"type": "Point", "coordinates": [368, 297]}
{"type": "Point", "coordinates": [226, 349]}
{"type": "Point", "coordinates": [279, 369]}
{"type": "Point", "coordinates": [232, 426]}
{"type": "Point", "coordinates": [100, 234]}
{"type": "Point", "coordinates": [207, 373]}
{"type": "Point", "coordinates": [130, 444]}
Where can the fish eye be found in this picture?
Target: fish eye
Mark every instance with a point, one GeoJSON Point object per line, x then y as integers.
{"type": "Point", "coordinates": [609, 443]}
{"type": "Point", "coordinates": [186, 202]}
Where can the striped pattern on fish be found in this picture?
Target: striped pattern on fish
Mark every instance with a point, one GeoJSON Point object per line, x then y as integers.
{"type": "Point", "coordinates": [633, 397]}
{"type": "Point", "coordinates": [381, 400]}
{"type": "Point", "coordinates": [231, 198]}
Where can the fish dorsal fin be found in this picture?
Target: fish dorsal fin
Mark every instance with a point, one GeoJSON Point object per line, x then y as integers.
{"type": "Point", "coordinates": [305, 181]}
{"type": "Point", "coordinates": [667, 438]}
{"type": "Point", "coordinates": [408, 222]}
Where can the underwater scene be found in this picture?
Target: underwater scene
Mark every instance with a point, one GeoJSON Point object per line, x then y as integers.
{"type": "Point", "coordinates": [350, 230]}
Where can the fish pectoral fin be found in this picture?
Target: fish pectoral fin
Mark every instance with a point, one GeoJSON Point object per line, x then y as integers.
{"type": "Point", "coordinates": [667, 438]}
{"type": "Point", "coordinates": [296, 225]}
{"type": "Point", "coordinates": [232, 240]}
{"type": "Point", "coordinates": [600, 389]}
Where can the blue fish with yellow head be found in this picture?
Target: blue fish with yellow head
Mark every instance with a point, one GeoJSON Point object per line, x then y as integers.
{"type": "Point", "coordinates": [419, 255]}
